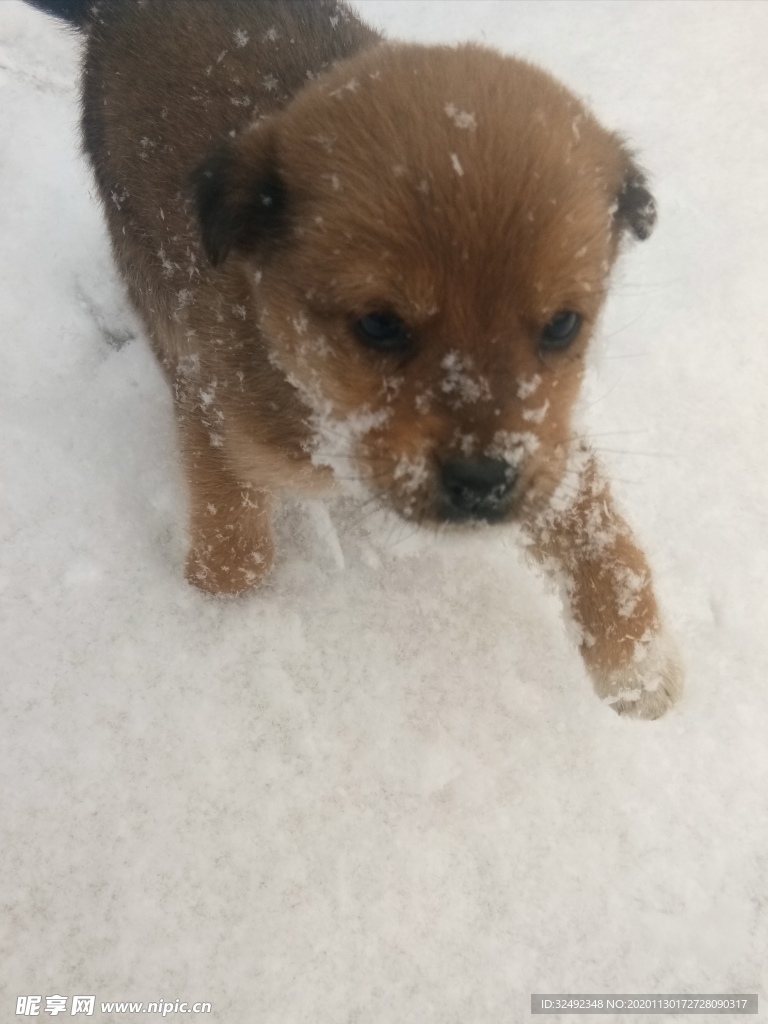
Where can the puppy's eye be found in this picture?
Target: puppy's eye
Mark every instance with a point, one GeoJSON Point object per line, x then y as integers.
{"type": "Point", "coordinates": [383, 332]}
{"type": "Point", "coordinates": [561, 330]}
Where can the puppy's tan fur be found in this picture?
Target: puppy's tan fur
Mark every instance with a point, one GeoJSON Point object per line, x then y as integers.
{"type": "Point", "coordinates": [272, 172]}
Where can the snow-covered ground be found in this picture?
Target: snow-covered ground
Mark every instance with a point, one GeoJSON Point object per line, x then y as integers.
{"type": "Point", "coordinates": [381, 791]}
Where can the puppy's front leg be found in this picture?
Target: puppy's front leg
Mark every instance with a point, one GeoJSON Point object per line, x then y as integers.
{"type": "Point", "coordinates": [231, 546]}
{"type": "Point", "coordinates": [589, 549]}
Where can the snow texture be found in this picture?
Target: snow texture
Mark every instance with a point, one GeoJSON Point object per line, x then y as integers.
{"type": "Point", "coordinates": [382, 790]}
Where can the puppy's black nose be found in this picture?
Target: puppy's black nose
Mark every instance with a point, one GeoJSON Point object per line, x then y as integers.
{"type": "Point", "coordinates": [476, 488]}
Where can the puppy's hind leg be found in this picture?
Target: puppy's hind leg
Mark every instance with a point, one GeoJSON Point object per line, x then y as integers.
{"type": "Point", "coordinates": [230, 523]}
{"type": "Point", "coordinates": [589, 549]}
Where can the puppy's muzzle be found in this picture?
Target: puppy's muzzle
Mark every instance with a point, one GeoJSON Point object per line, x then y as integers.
{"type": "Point", "coordinates": [480, 488]}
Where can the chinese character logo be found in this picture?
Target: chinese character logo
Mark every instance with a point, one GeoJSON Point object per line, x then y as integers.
{"type": "Point", "coordinates": [83, 1004]}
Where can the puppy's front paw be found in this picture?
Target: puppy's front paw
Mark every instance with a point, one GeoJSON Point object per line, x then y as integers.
{"type": "Point", "coordinates": [231, 547]}
{"type": "Point", "coordinates": [229, 568]}
{"type": "Point", "coordinates": [648, 685]}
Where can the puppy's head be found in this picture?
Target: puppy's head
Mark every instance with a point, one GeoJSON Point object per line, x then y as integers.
{"type": "Point", "coordinates": [429, 232]}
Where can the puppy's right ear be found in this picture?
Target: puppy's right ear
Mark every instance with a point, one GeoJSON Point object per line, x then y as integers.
{"type": "Point", "coordinates": [240, 196]}
{"type": "Point", "coordinates": [635, 206]}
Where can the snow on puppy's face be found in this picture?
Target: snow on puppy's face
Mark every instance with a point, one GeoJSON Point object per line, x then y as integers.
{"type": "Point", "coordinates": [429, 233]}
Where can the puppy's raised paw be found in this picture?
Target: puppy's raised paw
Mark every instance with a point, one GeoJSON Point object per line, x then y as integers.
{"type": "Point", "coordinates": [648, 685]}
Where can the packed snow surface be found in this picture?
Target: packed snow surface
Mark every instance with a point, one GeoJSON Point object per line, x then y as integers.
{"type": "Point", "coordinates": [381, 790]}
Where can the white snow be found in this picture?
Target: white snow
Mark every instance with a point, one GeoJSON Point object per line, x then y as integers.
{"type": "Point", "coordinates": [382, 790]}
{"type": "Point", "coordinates": [536, 415]}
{"type": "Point", "coordinates": [351, 86]}
{"type": "Point", "coordinates": [461, 118]}
{"type": "Point", "coordinates": [460, 381]}
{"type": "Point", "coordinates": [528, 386]}
{"type": "Point", "coordinates": [336, 438]}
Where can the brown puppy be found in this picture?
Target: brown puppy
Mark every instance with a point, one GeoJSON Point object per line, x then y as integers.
{"type": "Point", "coordinates": [379, 259]}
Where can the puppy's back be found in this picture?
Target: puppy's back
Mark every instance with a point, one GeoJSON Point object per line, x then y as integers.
{"type": "Point", "coordinates": [166, 82]}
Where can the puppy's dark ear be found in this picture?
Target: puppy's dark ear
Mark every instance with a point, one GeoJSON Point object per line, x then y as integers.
{"type": "Point", "coordinates": [635, 206]}
{"type": "Point", "coordinates": [240, 197]}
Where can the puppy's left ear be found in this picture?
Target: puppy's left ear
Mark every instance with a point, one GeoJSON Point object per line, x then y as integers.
{"type": "Point", "coordinates": [240, 196]}
{"type": "Point", "coordinates": [635, 206]}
